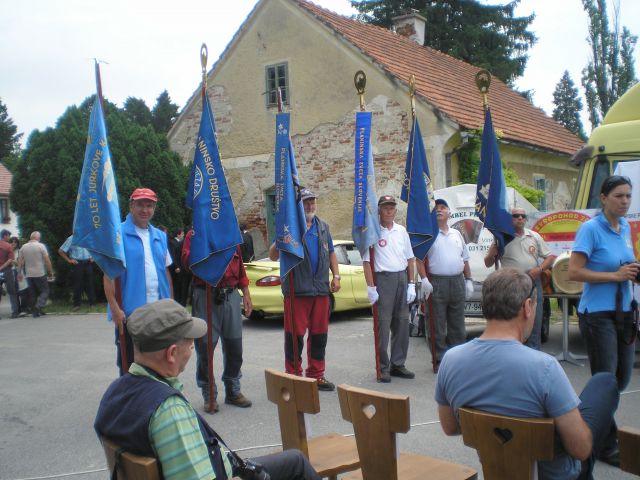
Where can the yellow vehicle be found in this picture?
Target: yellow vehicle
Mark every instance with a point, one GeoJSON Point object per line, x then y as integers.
{"type": "Point", "coordinates": [616, 140]}
{"type": "Point", "coordinates": [266, 292]}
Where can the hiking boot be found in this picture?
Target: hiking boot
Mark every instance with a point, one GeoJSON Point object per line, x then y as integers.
{"type": "Point", "coordinates": [385, 377]}
{"type": "Point", "coordinates": [238, 400]}
{"type": "Point", "coordinates": [325, 385]}
{"type": "Point", "coordinates": [36, 313]}
{"type": "Point", "coordinates": [402, 372]}
{"type": "Point", "coordinates": [211, 407]}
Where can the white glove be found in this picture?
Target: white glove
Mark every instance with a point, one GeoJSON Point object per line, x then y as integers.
{"type": "Point", "coordinates": [411, 292]}
{"type": "Point", "coordinates": [468, 286]}
{"type": "Point", "coordinates": [426, 288]}
{"type": "Point", "coordinates": [372, 293]}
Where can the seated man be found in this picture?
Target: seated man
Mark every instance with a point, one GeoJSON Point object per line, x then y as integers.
{"type": "Point", "coordinates": [498, 374]}
{"type": "Point", "coordinates": [145, 412]}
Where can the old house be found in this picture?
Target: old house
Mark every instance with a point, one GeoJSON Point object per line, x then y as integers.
{"type": "Point", "coordinates": [313, 54]}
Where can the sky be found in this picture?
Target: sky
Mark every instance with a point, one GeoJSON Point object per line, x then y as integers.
{"type": "Point", "coordinates": [47, 49]}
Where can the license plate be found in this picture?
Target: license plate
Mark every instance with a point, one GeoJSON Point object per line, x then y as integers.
{"type": "Point", "coordinates": [473, 308]}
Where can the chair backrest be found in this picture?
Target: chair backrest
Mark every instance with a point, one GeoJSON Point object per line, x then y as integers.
{"type": "Point", "coordinates": [129, 466]}
{"type": "Point", "coordinates": [508, 447]}
{"type": "Point", "coordinates": [294, 397]}
{"type": "Point", "coordinates": [629, 443]}
{"type": "Point", "coordinates": [376, 418]}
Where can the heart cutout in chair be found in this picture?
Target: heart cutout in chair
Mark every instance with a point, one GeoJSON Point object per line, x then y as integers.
{"type": "Point", "coordinates": [286, 394]}
{"type": "Point", "coordinates": [503, 435]}
{"type": "Point", "coordinates": [369, 411]}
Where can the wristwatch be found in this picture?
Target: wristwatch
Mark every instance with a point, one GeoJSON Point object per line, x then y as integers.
{"type": "Point", "coordinates": [337, 277]}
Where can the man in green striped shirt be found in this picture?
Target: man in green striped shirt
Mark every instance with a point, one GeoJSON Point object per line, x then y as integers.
{"type": "Point", "coordinates": [145, 412]}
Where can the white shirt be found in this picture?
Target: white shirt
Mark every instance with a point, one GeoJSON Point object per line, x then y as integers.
{"type": "Point", "coordinates": [393, 250]}
{"type": "Point", "coordinates": [150, 273]}
{"type": "Point", "coordinates": [448, 253]}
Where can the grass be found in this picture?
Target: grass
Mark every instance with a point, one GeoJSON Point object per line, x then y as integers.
{"type": "Point", "coordinates": [60, 306]}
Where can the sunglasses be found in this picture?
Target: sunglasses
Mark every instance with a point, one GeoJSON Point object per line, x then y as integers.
{"type": "Point", "coordinates": [519, 215]}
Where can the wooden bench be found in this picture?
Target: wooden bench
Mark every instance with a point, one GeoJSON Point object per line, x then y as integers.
{"type": "Point", "coordinates": [329, 454]}
{"type": "Point", "coordinates": [508, 447]}
{"type": "Point", "coordinates": [377, 418]}
{"type": "Point", "coordinates": [629, 444]}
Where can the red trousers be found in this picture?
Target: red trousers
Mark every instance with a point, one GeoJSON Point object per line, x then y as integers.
{"type": "Point", "coordinates": [310, 313]}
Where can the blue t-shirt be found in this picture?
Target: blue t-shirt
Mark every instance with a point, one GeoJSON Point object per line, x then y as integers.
{"type": "Point", "coordinates": [507, 378]}
{"type": "Point", "coordinates": [313, 243]}
{"type": "Point", "coordinates": [606, 250]}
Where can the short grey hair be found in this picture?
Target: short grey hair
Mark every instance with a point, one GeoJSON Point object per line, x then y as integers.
{"type": "Point", "coordinates": [504, 292]}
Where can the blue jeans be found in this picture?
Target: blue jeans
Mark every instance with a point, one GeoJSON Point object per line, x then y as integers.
{"type": "Point", "coordinates": [599, 401]}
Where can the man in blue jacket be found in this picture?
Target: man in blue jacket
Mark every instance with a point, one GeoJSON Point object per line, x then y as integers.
{"type": "Point", "coordinates": [146, 278]}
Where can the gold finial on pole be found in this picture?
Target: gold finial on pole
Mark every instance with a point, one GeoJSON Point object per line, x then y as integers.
{"type": "Point", "coordinates": [412, 94]}
{"type": "Point", "coordinates": [483, 81]}
{"type": "Point", "coordinates": [360, 81]}
{"type": "Point", "coordinates": [204, 54]}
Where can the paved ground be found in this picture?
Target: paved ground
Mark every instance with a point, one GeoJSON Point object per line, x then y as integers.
{"type": "Point", "coordinates": [54, 370]}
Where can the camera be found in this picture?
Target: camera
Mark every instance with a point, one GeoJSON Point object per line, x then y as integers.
{"type": "Point", "coordinates": [252, 471]}
{"type": "Point", "coordinates": [637, 279]}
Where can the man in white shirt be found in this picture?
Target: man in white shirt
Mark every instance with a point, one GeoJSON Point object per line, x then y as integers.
{"type": "Point", "coordinates": [393, 290]}
{"type": "Point", "coordinates": [450, 276]}
{"type": "Point", "coordinates": [146, 278]}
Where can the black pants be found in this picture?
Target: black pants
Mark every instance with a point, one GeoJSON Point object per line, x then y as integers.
{"type": "Point", "coordinates": [287, 465]}
{"type": "Point", "coordinates": [82, 277]}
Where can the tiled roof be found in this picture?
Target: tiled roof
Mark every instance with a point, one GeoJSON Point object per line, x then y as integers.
{"type": "Point", "coordinates": [5, 180]}
{"type": "Point", "coordinates": [448, 84]}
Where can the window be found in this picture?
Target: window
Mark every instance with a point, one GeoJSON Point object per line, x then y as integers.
{"type": "Point", "coordinates": [540, 183]}
{"type": "Point", "coordinates": [4, 210]}
{"type": "Point", "coordinates": [277, 76]}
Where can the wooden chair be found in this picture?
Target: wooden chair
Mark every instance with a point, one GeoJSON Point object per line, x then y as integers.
{"type": "Point", "coordinates": [128, 465]}
{"type": "Point", "coordinates": [330, 454]}
{"type": "Point", "coordinates": [629, 443]}
{"type": "Point", "coordinates": [376, 418]}
{"type": "Point", "coordinates": [508, 447]}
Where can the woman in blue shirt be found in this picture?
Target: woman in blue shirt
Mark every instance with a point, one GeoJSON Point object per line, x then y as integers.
{"type": "Point", "coordinates": [602, 258]}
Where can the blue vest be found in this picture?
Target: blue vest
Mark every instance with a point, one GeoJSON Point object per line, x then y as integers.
{"type": "Point", "coordinates": [126, 410]}
{"type": "Point", "coordinates": [305, 283]}
{"type": "Point", "coordinates": [133, 283]}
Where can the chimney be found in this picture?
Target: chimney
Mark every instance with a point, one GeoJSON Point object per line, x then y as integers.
{"type": "Point", "coordinates": [411, 25]}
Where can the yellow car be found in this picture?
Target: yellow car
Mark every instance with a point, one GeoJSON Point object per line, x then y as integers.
{"type": "Point", "coordinates": [266, 291]}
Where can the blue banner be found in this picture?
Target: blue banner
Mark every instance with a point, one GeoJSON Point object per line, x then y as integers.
{"type": "Point", "coordinates": [216, 233]}
{"type": "Point", "coordinates": [366, 227]}
{"type": "Point", "coordinates": [96, 221]}
{"type": "Point", "coordinates": [491, 192]}
{"type": "Point", "coordinates": [417, 191]}
{"type": "Point", "coordinates": [290, 222]}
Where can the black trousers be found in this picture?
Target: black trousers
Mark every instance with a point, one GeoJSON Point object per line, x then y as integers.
{"type": "Point", "coordinates": [82, 277]}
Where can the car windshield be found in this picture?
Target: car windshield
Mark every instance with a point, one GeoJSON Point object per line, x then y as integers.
{"type": "Point", "coordinates": [348, 254]}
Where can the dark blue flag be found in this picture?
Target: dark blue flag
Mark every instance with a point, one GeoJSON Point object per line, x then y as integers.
{"type": "Point", "coordinates": [290, 222]}
{"type": "Point", "coordinates": [491, 193]}
{"type": "Point", "coordinates": [96, 222]}
{"type": "Point", "coordinates": [216, 233]}
{"type": "Point", "coordinates": [417, 191]}
{"type": "Point", "coordinates": [366, 227]}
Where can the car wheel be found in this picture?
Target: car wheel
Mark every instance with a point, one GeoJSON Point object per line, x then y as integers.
{"type": "Point", "coordinates": [256, 315]}
{"type": "Point", "coordinates": [546, 315]}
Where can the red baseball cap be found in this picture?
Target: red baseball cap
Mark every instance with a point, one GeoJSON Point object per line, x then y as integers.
{"type": "Point", "coordinates": [144, 194]}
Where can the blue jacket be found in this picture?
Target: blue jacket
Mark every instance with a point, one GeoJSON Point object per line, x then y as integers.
{"type": "Point", "coordinates": [132, 280]}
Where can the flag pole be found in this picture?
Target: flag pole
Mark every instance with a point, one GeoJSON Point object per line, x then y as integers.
{"type": "Point", "coordinates": [425, 260]}
{"type": "Point", "coordinates": [360, 82]}
{"type": "Point", "coordinates": [122, 338]}
{"type": "Point", "coordinates": [204, 54]}
{"type": "Point", "coordinates": [292, 292]}
{"type": "Point", "coordinates": [483, 82]}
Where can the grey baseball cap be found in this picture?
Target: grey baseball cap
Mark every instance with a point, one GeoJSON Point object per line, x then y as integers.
{"type": "Point", "coordinates": [157, 325]}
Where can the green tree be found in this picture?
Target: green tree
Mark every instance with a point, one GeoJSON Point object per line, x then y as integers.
{"type": "Point", "coordinates": [487, 36]}
{"type": "Point", "coordinates": [611, 70]}
{"type": "Point", "coordinates": [9, 138]}
{"type": "Point", "coordinates": [568, 106]}
{"type": "Point", "coordinates": [164, 113]}
{"type": "Point", "coordinates": [46, 180]}
{"type": "Point", "coordinates": [137, 111]}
